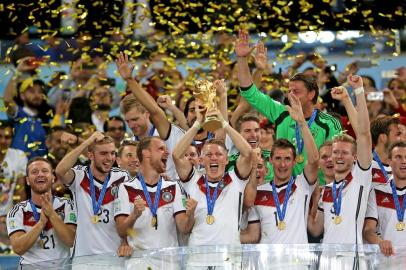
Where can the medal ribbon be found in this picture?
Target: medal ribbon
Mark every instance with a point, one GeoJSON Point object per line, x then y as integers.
{"type": "Point", "coordinates": [150, 133]}
{"type": "Point", "coordinates": [337, 200]}
{"type": "Point", "coordinates": [378, 160]}
{"type": "Point", "coordinates": [36, 214]}
{"type": "Point", "coordinates": [211, 201]}
{"type": "Point", "coordinates": [281, 213]}
{"type": "Point", "coordinates": [299, 141]}
{"type": "Point", "coordinates": [97, 204]}
{"type": "Point", "coordinates": [152, 208]}
{"type": "Point", "coordinates": [400, 212]}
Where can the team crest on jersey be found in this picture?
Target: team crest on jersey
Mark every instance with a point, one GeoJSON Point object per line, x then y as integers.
{"type": "Point", "coordinates": [167, 196]}
{"type": "Point", "coordinates": [12, 224]}
{"type": "Point", "coordinates": [114, 191]}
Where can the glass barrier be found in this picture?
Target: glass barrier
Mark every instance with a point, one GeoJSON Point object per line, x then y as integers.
{"type": "Point", "coordinates": [311, 256]}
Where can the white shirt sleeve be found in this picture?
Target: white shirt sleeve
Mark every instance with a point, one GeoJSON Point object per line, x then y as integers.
{"type": "Point", "coordinates": [372, 208]}
{"type": "Point", "coordinates": [122, 205]}
{"type": "Point", "coordinates": [15, 220]}
{"type": "Point", "coordinates": [70, 213]}
{"type": "Point", "coordinates": [178, 205]}
{"type": "Point", "coordinates": [253, 214]}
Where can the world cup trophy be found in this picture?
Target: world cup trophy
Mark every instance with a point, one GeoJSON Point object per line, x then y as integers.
{"type": "Point", "coordinates": [206, 93]}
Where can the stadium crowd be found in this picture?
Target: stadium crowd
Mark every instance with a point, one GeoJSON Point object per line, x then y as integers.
{"type": "Point", "coordinates": [229, 158]}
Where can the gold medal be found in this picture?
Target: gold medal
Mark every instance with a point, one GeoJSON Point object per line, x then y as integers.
{"type": "Point", "coordinates": [153, 221]}
{"type": "Point", "coordinates": [210, 219]}
{"type": "Point", "coordinates": [95, 219]}
{"type": "Point", "coordinates": [337, 220]}
{"type": "Point", "coordinates": [281, 225]}
{"type": "Point", "coordinates": [400, 226]}
{"type": "Point", "coordinates": [299, 158]}
{"type": "Point", "coordinates": [41, 243]}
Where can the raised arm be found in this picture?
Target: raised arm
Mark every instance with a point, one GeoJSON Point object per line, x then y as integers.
{"type": "Point", "coordinates": [312, 165]}
{"type": "Point", "coordinates": [340, 93]}
{"type": "Point", "coordinates": [11, 89]}
{"type": "Point", "coordinates": [165, 102]}
{"type": "Point", "coordinates": [364, 141]}
{"type": "Point", "coordinates": [242, 51]}
{"type": "Point", "coordinates": [244, 161]}
{"type": "Point", "coordinates": [158, 116]}
{"type": "Point", "coordinates": [63, 169]}
{"type": "Point", "coordinates": [250, 191]}
{"type": "Point", "coordinates": [183, 166]}
{"type": "Point", "coordinates": [261, 62]}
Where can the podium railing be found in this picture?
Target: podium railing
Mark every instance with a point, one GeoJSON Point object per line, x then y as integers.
{"type": "Point", "coordinates": [310, 256]}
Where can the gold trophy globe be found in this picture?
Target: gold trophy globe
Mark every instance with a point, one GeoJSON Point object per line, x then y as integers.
{"type": "Point", "coordinates": [206, 93]}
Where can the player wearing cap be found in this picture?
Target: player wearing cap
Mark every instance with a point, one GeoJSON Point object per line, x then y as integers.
{"type": "Point", "coordinates": [281, 206]}
{"type": "Point", "coordinates": [95, 187]}
{"type": "Point", "coordinates": [386, 205]}
{"type": "Point", "coordinates": [43, 227]}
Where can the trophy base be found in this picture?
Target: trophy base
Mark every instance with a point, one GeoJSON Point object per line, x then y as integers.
{"type": "Point", "coordinates": [212, 124]}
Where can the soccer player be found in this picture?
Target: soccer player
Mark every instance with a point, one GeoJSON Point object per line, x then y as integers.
{"type": "Point", "coordinates": [344, 201]}
{"type": "Point", "coordinates": [386, 205]}
{"type": "Point", "coordinates": [140, 107]}
{"type": "Point", "coordinates": [385, 131]}
{"type": "Point", "coordinates": [281, 207]}
{"type": "Point", "coordinates": [95, 187]}
{"type": "Point", "coordinates": [127, 157]}
{"type": "Point", "coordinates": [43, 227]}
{"type": "Point", "coordinates": [219, 193]}
{"type": "Point", "coordinates": [149, 208]}
{"type": "Point", "coordinates": [322, 126]}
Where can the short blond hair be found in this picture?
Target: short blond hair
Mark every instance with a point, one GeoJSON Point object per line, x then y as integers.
{"type": "Point", "coordinates": [130, 102]}
{"type": "Point", "coordinates": [105, 140]}
{"type": "Point", "coordinates": [347, 139]}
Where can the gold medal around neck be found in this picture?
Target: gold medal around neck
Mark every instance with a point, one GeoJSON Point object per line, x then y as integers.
{"type": "Point", "coordinates": [153, 221]}
{"type": "Point", "coordinates": [281, 225]}
{"type": "Point", "coordinates": [400, 226]}
{"type": "Point", "coordinates": [95, 219]}
{"type": "Point", "coordinates": [210, 219]}
{"type": "Point", "coordinates": [337, 220]}
{"type": "Point", "coordinates": [299, 158]}
{"type": "Point", "coordinates": [41, 243]}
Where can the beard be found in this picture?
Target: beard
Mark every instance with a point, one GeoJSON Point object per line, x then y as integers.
{"type": "Point", "coordinates": [100, 168]}
{"type": "Point", "coordinates": [33, 105]}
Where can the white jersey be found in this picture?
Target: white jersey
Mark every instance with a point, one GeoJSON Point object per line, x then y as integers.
{"type": "Point", "coordinates": [227, 210]}
{"type": "Point", "coordinates": [101, 237]}
{"type": "Point", "coordinates": [175, 133]}
{"type": "Point", "coordinates": [296, 214]}
{"type": "Point", "coordinates": [353, 207]}
{"type": "Point", "coordinates": [378, 178]}
{"type": "Point", "coordinates": [12, 168]}
{"type": "Point", "coordinates": [21, 218]}
{"type": "Point", "coordinates": [381, 207]}
{"type": "Point", "coordinates": [170, 204]}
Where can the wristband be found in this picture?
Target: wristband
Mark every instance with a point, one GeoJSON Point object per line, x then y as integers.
{"type": "Point", "coordinates": [197, 125]}
{"type": "Point", "coordinates": [358, 91]}
{"type": "Point", "coordinates": [224, 124]}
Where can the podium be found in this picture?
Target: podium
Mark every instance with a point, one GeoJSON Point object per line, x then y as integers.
{"type": "Point", "coordinates": [305, 256]}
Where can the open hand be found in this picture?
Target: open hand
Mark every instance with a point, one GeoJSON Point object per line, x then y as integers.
{"type": "Point", "coordinates": [124, 67]}
{"type": "Point", "coordinates": [242, 48]}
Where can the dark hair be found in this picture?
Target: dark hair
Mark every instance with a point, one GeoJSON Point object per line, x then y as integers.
{"type": "Point", "coordinates": [106, 123]}
{"type": "Point", "coordinates": [309, 82]}
{"type": "Point", "coordinates": [371, 79]}
{"type": "Point", "coordinates": [186, 109]}
{"type": "Point", "coordinates": [400, 144]}
{"type": "Point", "coordinates": [125, 143]}
{"type": "Point", "coordinates": [283, 144]}
{"type": "Point", "coordinates": [6, 124]}
{"type": "Point", "coordinates": [246, 118]}
{"type": "Point", "coordinates": [34, 159]}
{"type": "Point", "coordinates": [144, 143]}
{"type": "Point", "coordinates": [381, 125]}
